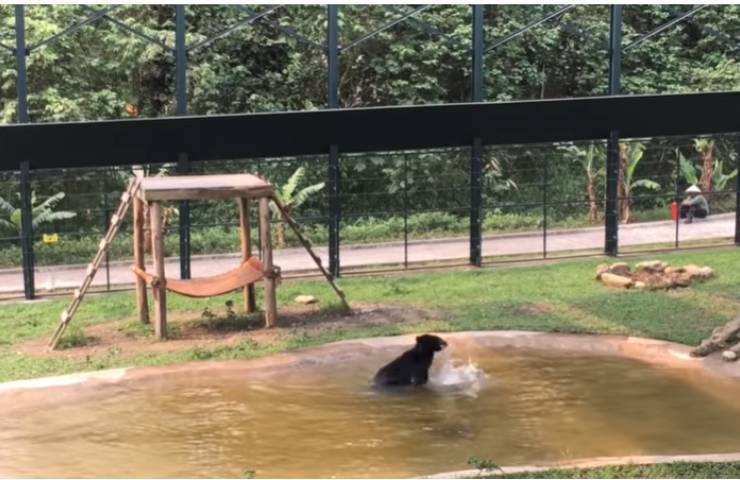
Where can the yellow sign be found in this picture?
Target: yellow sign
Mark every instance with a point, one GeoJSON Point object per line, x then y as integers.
{"type": "Point", "coordinates": [50, 239]}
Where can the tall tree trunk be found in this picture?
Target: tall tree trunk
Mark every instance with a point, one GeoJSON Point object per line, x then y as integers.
{"type": "Point", "coordinates": [624, 201]}
{"type": "Point", "coordinates": [707, 157]}
{"type": "Point", "coordinates": [593, 208]}
{"type": "Point", "coordinates": [281, 233]}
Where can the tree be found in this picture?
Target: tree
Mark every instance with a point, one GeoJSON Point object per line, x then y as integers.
{"type": "Point", "coordinates": [10, 218]}
{"type": "Point", "coordinates": [592, 160]}
{"type": "Point", "coordinates": [705, 146]}
{"type": "Point", "coordinates": [291, 199]}
{"type": "Point", "coordinates": [630, 155]}
{"type": "Point", "coordinates": [691, 173]}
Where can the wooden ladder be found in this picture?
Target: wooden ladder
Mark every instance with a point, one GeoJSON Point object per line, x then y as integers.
{"type": "Point", "coordinates": [115, 223]}
{"type": "Point", "coordinates": [307, 245]}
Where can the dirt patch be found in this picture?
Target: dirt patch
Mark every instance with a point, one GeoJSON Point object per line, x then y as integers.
{"type": "Point", "coordinates": [191, 329]}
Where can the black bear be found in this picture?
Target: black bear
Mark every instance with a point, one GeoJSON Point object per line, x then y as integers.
{"type": "Point", "coordinates": [411, 368]}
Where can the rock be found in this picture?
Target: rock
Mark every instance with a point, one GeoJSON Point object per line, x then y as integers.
{"type": "Point", "coordinates": [695, 271]}
{"type": "Point", "coordinates": [619, 268]}
{"type": "Point", "coordinates": [672, 270]}
{"type": "Point", "coordinates": [603, 268]}
{"type": "Point", "coordinates": [306, 299]}
{"type": "Point", "coordinates": [618, 281]}
{"type": "Point", "coordinates": [729, 355]}
{"type": "Point", "coordinates": [651, 266]}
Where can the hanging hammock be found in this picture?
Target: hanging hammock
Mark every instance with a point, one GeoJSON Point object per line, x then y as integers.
{"type": "Point", "coordinates": [248, 272]}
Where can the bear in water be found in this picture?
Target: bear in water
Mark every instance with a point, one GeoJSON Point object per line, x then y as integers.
{"type": "Point", "coordinates": [411, 368]}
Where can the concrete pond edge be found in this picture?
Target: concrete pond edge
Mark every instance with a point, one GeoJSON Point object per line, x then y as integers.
{"type": "Point", "coordinates": [658, 352]}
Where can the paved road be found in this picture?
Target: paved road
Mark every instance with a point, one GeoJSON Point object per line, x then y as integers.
{"type": "Point", "coordinates": [294, 259]}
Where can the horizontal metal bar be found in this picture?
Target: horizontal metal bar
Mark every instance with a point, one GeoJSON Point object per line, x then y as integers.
{"type": "Point", "coordinates": [385, 27]}
{"type": "Point", "coordinates": [227, 31]}
{"type": "Point", "coordinates": [526, 28]}
{"type": "Point", "coordinates": [663, 27]}
{"type": "Point", "coordinates": [372, 129]}
{"type": "Point", "coordinates": [98, 14]}
{"type": "Point", "coordinates": [286, 30]}
{"type": "Point", "coordinates": [131, 30]}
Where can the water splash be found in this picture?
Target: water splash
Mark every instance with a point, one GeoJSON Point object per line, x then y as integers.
{"type": "Point", "coordinates": [455, 375]}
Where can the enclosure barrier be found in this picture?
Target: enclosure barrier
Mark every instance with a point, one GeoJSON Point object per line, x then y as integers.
{"type": "Point", "coordinates": [30, 149]}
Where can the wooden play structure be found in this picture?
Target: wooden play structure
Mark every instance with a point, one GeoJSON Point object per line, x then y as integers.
{"type": "Point", "coordinates": [149, 193]}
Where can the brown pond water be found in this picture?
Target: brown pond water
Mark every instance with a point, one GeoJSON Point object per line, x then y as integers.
{"type": "Point", "coordinates": [324, 420]}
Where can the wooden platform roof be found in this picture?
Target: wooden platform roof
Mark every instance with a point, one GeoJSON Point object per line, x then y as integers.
{"type": "Point", "coordinates": [204, 187]}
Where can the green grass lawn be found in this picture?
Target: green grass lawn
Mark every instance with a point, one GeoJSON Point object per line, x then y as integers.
{"type": "Point", "coordinates": [560, 297]}
{"type": "Point", "coordinates": [665, 470]}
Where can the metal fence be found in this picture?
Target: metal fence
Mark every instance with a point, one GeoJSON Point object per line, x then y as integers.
{"type": "Point", "coordinates": [400, 210]}
{"type": "Point", "coordinates": [488, 201]}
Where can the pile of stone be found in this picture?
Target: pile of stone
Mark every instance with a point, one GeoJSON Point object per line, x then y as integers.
{"type": "Point", "coordinates": [650, 275]}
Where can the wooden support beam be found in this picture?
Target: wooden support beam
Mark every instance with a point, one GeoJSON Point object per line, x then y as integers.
{"type": "Point", "coordinates": [142, 304]}
{"type": "Point", "coordinates": [246, 244]}
{"type": "Point", "coordinates": [266, 247]}
{"type": "Point", "coordinates": [159, 288]}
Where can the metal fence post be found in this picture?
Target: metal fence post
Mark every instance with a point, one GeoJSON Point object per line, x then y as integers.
{"type": "Point", "coordinates": [545, 200]}
{"type": "Point", "coordinates": [29, 287]}
{"type": "Point", "coordinates": [476, 169]}
{"type": "Point", "coordinates": [183, 164]}
{"type": "Point", "coordinates": [27, 231]}
{"type": "Point", "coordinates": [611, 216]}
{"type": "Point", "coordinates": [334, 210]}
{"type": "Point", "coordinates": [476, 154]}
{"type": "Point", "coordinates": [332, 34]}
{"type": "Point", "coordinates": [106, 225]}
{"type": "Point", "coordinates": [737, 193]}
{"type": "Point", "coordinates": [615, 49]}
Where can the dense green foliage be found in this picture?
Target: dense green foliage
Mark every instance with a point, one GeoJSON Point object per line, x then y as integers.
{"type": "Point", "coordinates": [96, 71]}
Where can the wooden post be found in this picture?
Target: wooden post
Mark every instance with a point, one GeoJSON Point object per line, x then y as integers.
{"type": "Point", "coordinates": [158, 285]}
{"type": "Point", "coordinates": [266, 247]}
{"type": "Point", "coordinates": [246, 242]}
{"type": "Point", "coordinates": [142, 305]}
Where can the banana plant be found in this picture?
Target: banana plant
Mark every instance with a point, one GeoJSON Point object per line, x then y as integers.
{"type": "Point", "coordinates": [592, 161]}
{"type": "Point", "coordinates": [705, 146]}
{"type": "Point", "coordinates": [691, 173]}
{"type": "Point", "coordinates": [10, 215]}
{"type": "Point", "coordinates": [292, 198]}
{"type": "Point", "coordinates": [630, 155]}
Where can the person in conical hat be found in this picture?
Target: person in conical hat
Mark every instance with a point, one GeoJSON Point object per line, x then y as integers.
{"type": "Point", "coordinates": [694, 205]}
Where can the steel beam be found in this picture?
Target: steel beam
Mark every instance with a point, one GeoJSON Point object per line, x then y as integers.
{"type": "Point", "coordinates": [332, 42]}
{"type": "Point", "coordinates": [476, 154]}
{"type": "Point", "coordinates": [737, 193]}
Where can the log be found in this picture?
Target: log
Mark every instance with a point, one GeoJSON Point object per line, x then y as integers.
{"type": "Point", "coordinates": [721, 338]}
{"type": "Point", "coordinates": [246, 247]}
{"type": "Point", "coordinates": [159, 291]}
{"type": "Point", "coordinates": [270, 277]}
{"type": "Point", "coordinates": [142, 305]}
